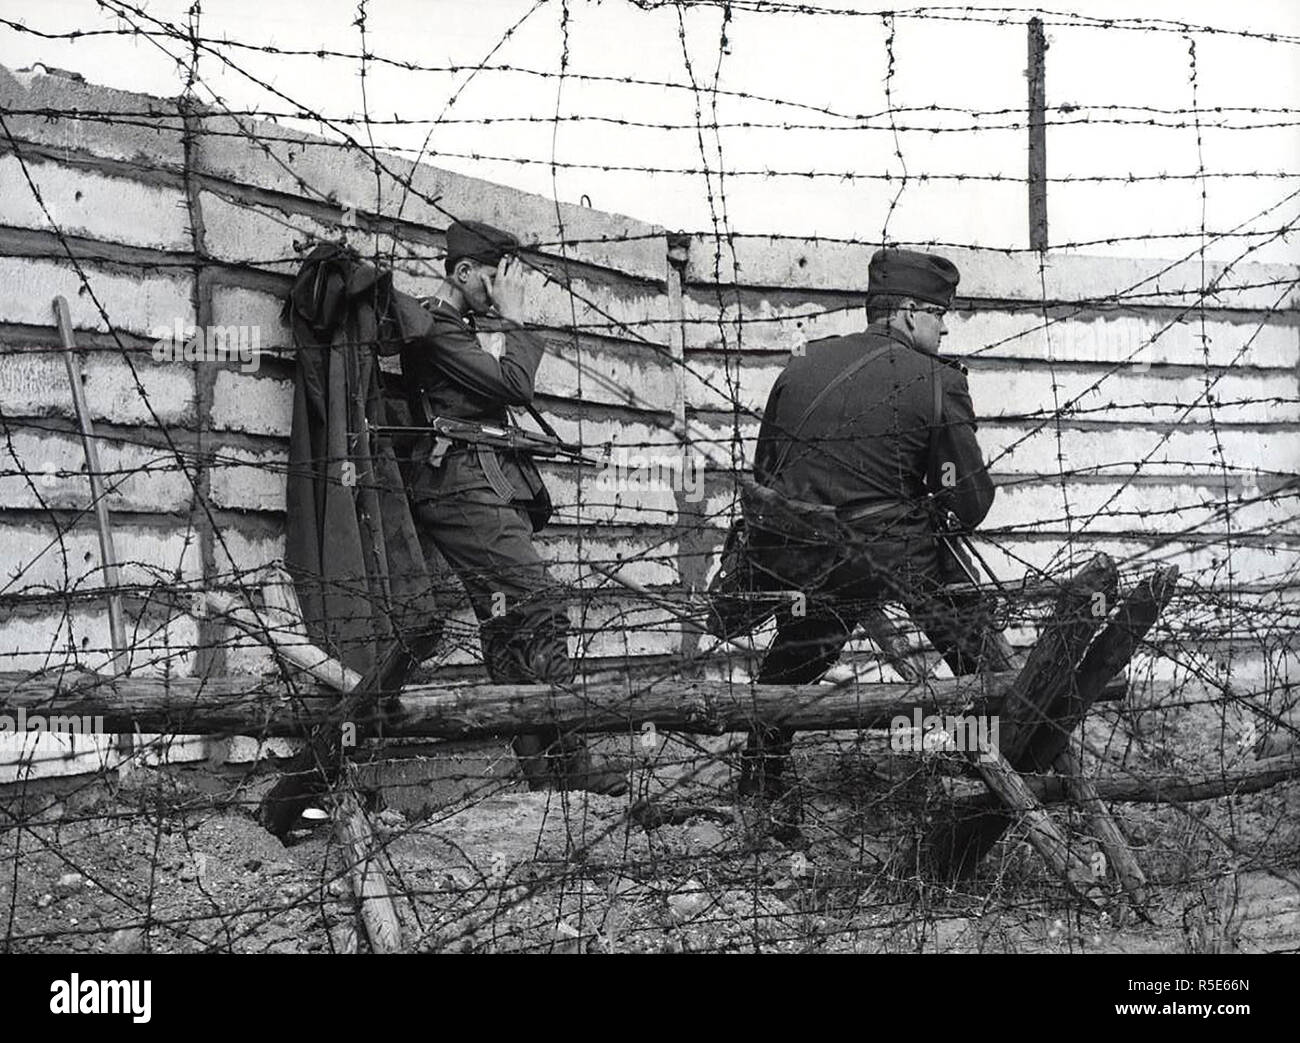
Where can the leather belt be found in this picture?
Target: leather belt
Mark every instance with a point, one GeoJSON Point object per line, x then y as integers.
{"type": "Point", "coordinates": [870, 510]}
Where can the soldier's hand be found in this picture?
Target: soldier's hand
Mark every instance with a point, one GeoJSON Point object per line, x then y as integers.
{"type": "Point", "coordinates": [507, 289]}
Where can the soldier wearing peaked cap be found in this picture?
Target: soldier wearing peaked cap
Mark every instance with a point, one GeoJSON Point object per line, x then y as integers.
{"type": "Point", "coordinates": [879, 427]}
{"type": "Point", "coordinates": [480, 506]}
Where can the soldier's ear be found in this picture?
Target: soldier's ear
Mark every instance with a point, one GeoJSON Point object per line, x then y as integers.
{"type": "Point", "coordinates": [907, 309]}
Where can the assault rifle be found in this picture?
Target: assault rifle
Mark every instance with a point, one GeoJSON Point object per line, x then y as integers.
{"type": "Point", "coordinates": [448, 431]}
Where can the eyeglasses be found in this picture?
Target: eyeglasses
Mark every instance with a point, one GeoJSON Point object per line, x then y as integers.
{"type": "Point", "coordinates": [931, 309]}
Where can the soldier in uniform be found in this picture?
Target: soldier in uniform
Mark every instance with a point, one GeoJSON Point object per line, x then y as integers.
{"type": "Point", "coordinates": [880, 427]}
{"type": "Point", "coordinates": [476, 504]}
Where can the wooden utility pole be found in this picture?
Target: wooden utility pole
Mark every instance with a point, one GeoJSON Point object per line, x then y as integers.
{"type": "Point", "coordinates": [1036, 75]}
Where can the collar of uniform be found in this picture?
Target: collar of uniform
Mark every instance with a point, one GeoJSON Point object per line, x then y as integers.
{"type": "Point", "coordinates": [883, 329]}
{"type": "Point", "coordinates": [436, 303]}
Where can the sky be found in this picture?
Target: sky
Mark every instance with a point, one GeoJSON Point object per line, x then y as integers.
{"type": "Point", "coordinates": [797, 95]}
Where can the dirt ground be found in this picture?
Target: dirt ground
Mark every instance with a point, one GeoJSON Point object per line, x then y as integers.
{"type": "Point", "coordinates": [152, 865]}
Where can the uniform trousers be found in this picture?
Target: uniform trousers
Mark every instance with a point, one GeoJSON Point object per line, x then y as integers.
{"type": "Point", "coordinates": [840, 584]}
{"type": "Point", "coordinates": [487, 541]}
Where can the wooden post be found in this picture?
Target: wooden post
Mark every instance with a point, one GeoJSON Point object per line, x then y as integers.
{"type": "Point", "coordinates": [1095, 669]}
{"type": "Point", "coordinates": [1040, 830]}
{"type": "Point", "coordinates": [1036, 74]}
{"type": "Point", "coordinates": [1048, 675]}
{"type": "Point", "coordinates": [378, 914]}
{"type": "Point", "coordinates": [954, 847]}
{"type": "Point", "coordinates": [98, 495]}
{"type": "Point", "coordinates": [1113, 842]}
{"type": "Point", "coordinates": [909, 663]}
{"type": "Point", "coordinates": [316, 764]}
{"type": "Point", "coordinates": [1047, 702]}
{"type": "Point", "coordinates": [1108, 655]}
{"type": "Point", "coordinates": [282, 806]}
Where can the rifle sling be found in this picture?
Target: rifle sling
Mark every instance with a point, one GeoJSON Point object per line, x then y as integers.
{"type": "Point", "coordinates": [835, 382]}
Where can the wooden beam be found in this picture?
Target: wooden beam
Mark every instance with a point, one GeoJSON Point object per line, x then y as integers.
{"type": "Point", "coordinates": [1048, 676]}
{"type": "Point", "coordinates": [280, 598]}
{"type": "Point", "coordinates": [325, 751]}
{"type": "Point", "coordinates": [293, 646]}
{"type": "Point", "coordinates": [911, 664]}
{"type": "Point", "coordinates": [1110, 653]}
{"type": "Point", "coordinates": [1133, 788]}
{"type": "Point", "coordinates": [266, 707]}
{"type": "Point", "coordinates": [352, 827]}
{"type": "Point", "coordinates": [1062, 859]}
{"type": "Point", "coordinates": [1113, 842]}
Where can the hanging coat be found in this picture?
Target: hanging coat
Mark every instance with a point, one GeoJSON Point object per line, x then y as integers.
{"type": "Point", "coordinates": [351, 544]}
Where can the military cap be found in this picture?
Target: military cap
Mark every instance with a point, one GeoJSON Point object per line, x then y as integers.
{"type": "Point", "coordinates": [910, 273]}
{"type": "Point", "coordinates": [479, 242]}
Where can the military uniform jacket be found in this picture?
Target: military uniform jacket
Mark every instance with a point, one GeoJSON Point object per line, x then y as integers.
{"type": "Point", "coordinates": [873, 441]}
{"type": "Point", "coordinates": [444, 364]}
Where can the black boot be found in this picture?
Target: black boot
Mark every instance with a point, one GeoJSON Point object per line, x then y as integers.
{"type": "Point", "coordinates": [767, 776]}
{"type": "Point", "coordinates": [549, 762]}
{"type": "Point", "coordinates": [594, 773]}
{"type": "Point", "coordinates": [534, 760]}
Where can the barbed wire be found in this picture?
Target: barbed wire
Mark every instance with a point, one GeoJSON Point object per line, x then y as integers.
{"type": "Point", "coordinates": [148, 859]}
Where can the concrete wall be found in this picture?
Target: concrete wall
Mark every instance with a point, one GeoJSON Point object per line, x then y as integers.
{"type": "Point", "coordinates": [1094, 377]}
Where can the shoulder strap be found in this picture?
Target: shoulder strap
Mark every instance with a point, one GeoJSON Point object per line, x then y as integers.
{"type": "Point", "coordinates": [839, 379]}
{"type": "Point", "coordinates": [937, 412]}
{"type": "Point", "coordinates": [541, 420]}
{"type": "Point", "coordinates": [936, 416]}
